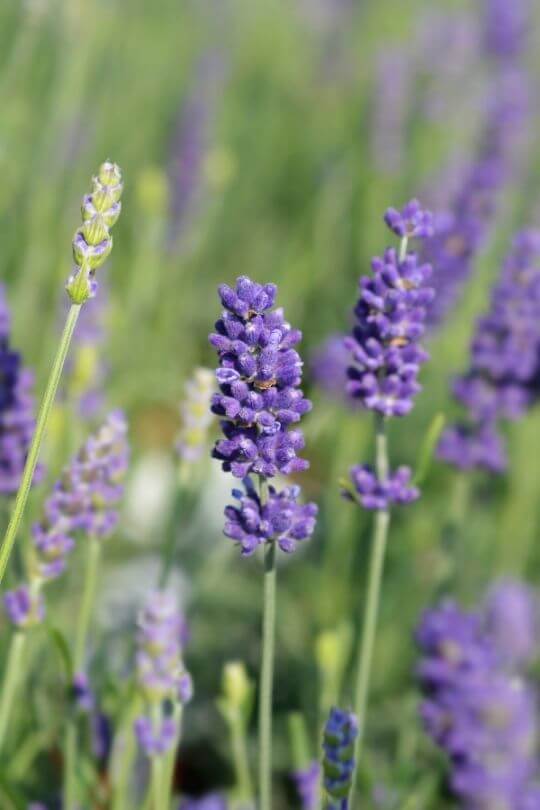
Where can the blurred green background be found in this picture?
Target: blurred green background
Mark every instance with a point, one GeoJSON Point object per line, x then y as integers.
{"type": "Point", "coordinates": [256, 138]}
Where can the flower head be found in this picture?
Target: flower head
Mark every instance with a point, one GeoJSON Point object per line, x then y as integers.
{"type": "Point", "coordinates": [280, 518]}
{"type": "Point", "coordinates": [376, 494]}
{"type": "Point", "coordinates": [307, 785]}
{"type": "Point", "coordinates": [259, 376]}
{"type": "Point", "coordinates": [411, 222]}
{"type": "Point", "coordinates": [339, 737]}
{"type": "Point", "coordinates": [92, 242]}
{"type": "Point", "coordinates": [24, 606]}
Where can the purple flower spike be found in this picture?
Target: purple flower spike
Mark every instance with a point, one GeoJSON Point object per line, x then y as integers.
{"type": "Point", "coordinates": [375, 494]}
{"type": "Point", "coordinates": [307, 785]}
{"type": "Point", "coordinates": [412, 221]}
{"type": "Point", "coordinates": [339, 737]}
{"type": "Point", "coordinates": [502, 380]}
{"type": "Point", "coordinates": [481, 715]}
{"type": "Point", "coordinates": [24, 607]}
{"type": "Point", "coordinates": [155, 739]}
{"type": "Point", "coordinates": [384, 347]}
{"type": "Point", "coordinates": [259, 375]}
{"type": "Point", "coordinates": [280, 519]}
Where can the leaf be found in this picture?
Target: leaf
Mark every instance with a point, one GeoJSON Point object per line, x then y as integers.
{"type": "Point", "coordinates": [427, 449]}
{"type": "Point", "coordinates": [64, 651]}
{"type": "Point", "coordinates": [10, 798]}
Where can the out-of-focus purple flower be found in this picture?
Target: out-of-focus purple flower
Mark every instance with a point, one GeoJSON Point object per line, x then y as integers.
{"type": "Point", "coordinates": [329, 364]}
{"type": "Point", "coordinates": [375, 494]}
{"type": "Point", "coordinates": [502, 380]}
{"type": "Point", "coordinates": [85, 498]}
{"type": "Point", "coordinates": [390, 313]}
{"type": "Point", "coordinates": [212, 801]}
{"type": "Point", "coordinates": [512, 621]}
{"type": "Point", "coordinates": [395, 72]}
{"type": "Point", "coordinates": [506, 27]}
{"type": "Point", "coordinates": [24, 606]}
{"type": "Point", "coordinates": [307, 781]}
{"type": "Point", "coordinates": [101, 735]}
{"type": "Point", "coordinates": [279, 519]}
{"type": "Point", "coordinates": [412, 221]}
{"type": "Point", "coordinates": [479, 714]}
{"type": "Point", "coordinates": [461, 231]}
{"type": "Point", "coordinates": [195, 415]}
{"type": "Point", "coordinates": [259, 377]}
{"type": "Point", "coordinates": [161, 673]}
{"type": "Point", "coordinates": [82, 693]}
{"type": "Point", "coordinates": [340, 733]}
{"type": "Point", "coordinates": [155, 737]}
{"type": "Point", "coordinates": [191, 141]}
{"type": "Point", "coordinates": [17, 421]}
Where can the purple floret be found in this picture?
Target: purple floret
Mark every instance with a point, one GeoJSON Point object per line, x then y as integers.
{"type": "Point", "coordinates": [306, 781]}
{"type": "Point", "coordinates": [340, 733]}
{"type": "Point", "coordinates": [155, 739]}
{"type": "Point", "coordinates": [375, 494]}
{"type": "Point", "coordinates": [24, 607]}
{"type": "Point", "coordinates": [212, 801]}
{"type": "Point", "coordinates": [411, 222]}
{"type": "Point", "coordinates": [280, 519]}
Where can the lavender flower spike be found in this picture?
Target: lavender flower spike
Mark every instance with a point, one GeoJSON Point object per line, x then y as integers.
{"type": "Point", "coordinates": [307, 785]}
{"type": "Point", "coordinates": [339, 738]}
{"type": "Point", "coordinates": [160, 671]}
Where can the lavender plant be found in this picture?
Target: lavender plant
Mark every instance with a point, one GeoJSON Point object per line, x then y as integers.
{"type": "Point", "coordinates": [259, 401]}
{"type": "Point", "coordinates": [166, 687]}
{"type": "Point", "coordinates": [92, 245]}
{"type": "Point", "coordinates": [386, 357]}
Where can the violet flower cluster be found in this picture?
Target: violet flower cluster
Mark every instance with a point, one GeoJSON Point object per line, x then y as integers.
{"type": "Point", "coordinates": [502, 379]}
{"type": "Point", "coordinates": [84, 499]}
{"type": "Point", "coordinates": [17, 420]}
{"type": "Point", "coordinates": [161, 674]}
{"type": "Point", "coordinates": [385, 347]}
{"type": "Point", "coordinates": [477, 710]}
{"type": "Point", "coordinates": [340, 733]}
{"type": "Point", "coordinates": [306, 781]}
{"type": "Point", "coordinates": [259, 402]}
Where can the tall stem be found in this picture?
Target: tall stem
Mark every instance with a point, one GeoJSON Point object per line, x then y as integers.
{"type": "Point", "coordinates": [33, 453]}
{"type": "Point", "coordinates": [81, 636]}
{"type": "Point", "coordinates": [267, 673]}
{"type": "Point", "coordinates": [156, 783]}
{"type": "Point", "coordinates": [241, 760]}
{"type": "Point", "coordinates": [371, 611]}
{"type": "Point", "coordinates": [11, 678]}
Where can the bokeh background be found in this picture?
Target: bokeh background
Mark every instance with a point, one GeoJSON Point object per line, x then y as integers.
{"type": "Point", "coordinates": [261, 138]}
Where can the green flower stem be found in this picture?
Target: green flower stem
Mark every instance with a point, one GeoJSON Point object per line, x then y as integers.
{"type": "Point", "coordinates": [33, 453]}
{"type": "Point", "coordinates": [127, 751]}
{"type": "Point", "coordinates": [244, 788]}
{"type": "Point", "coordinates": [267, 672]}
{"type": "Point", "coordinates": [170, 757]}
{"type": "Point", "coordinates": [11, 678]}
{"type": "Point", "coordinates": [365, 656]}
{"type": "Point", "coordinates": [83, 624]}
{"type": "Point", "coordinates": [156, 784]}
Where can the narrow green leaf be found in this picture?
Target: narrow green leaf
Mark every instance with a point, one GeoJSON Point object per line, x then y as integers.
{"type": "Point", "coordinates": [64, 651]}
{"type": "Point", "coordinates": [427, 449]}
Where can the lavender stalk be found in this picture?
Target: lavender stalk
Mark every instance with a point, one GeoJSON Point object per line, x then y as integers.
{"type": "Point", "coordinates": [91, 246]}
{"type": "Point", "coordinates": [259, 400]}
{"type": "Point", "coordinates": [386, 358]}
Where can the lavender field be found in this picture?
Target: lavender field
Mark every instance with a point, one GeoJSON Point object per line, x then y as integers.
{"type": "Point", "coordinates": [269, 405]}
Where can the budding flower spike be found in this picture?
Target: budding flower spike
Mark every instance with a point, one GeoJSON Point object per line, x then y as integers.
{"type": "Point", "coordinates": [91, 246]}
{"type": "Point", "coordinates": [340, 734]}
{"type": "Point", "coordinates": [385, 360]}
{"type": "Point", "coordinates": [260, 402]}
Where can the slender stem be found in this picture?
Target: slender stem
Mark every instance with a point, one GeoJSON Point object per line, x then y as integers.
{"type": "Point", "coordinates": [371, 610]}
{"type": "Point", "coordinates": [244, 787]}
{"type": "Point", "coordinates": [267, 672]}
{"type": "Point", "coordinates": [156, 786]}
{"type": "Point", "coordinates": [81, 635]}
{"type": "Point", "coordinates": [93, 554]}
{"type": "Point", "coordinates": [170, 757]}
{"type": "Point", "coordinates": [11, 678]}
{"type": "Point", "coordinates": [33, 453]}
{"type": "Point", "coordinates": [126, 743]}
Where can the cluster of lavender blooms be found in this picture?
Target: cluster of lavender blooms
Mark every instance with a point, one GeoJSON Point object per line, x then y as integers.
{"type": "Point", "coordinates": [385, 344]}
{"type": "Point", "coordinates": [84, 499]}
{"type": "Point", "coordinates": [93, 242]}
{"type": "Point", "coordinates": [161, 674]}
{"type": "Point", "coordinates": [340, 733]}
{"type": "Point", "coordinates": [17, 421]}
{"type": "Point", "coordinates": [477, 706]}
{"type": "Point", "coordinates": [195, 415]}
{"type": "Point", "coordinates": [259, 401]}
{"type": "Point", "coordinates": [506, 27]}
{"type": "Point", "coordinates": [306, 781]}
{"type": "Point", "coordinates": [502, 380]}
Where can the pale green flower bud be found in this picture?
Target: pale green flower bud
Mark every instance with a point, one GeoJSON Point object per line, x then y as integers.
{"type": "Point", "coordinates": [236, 684]}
